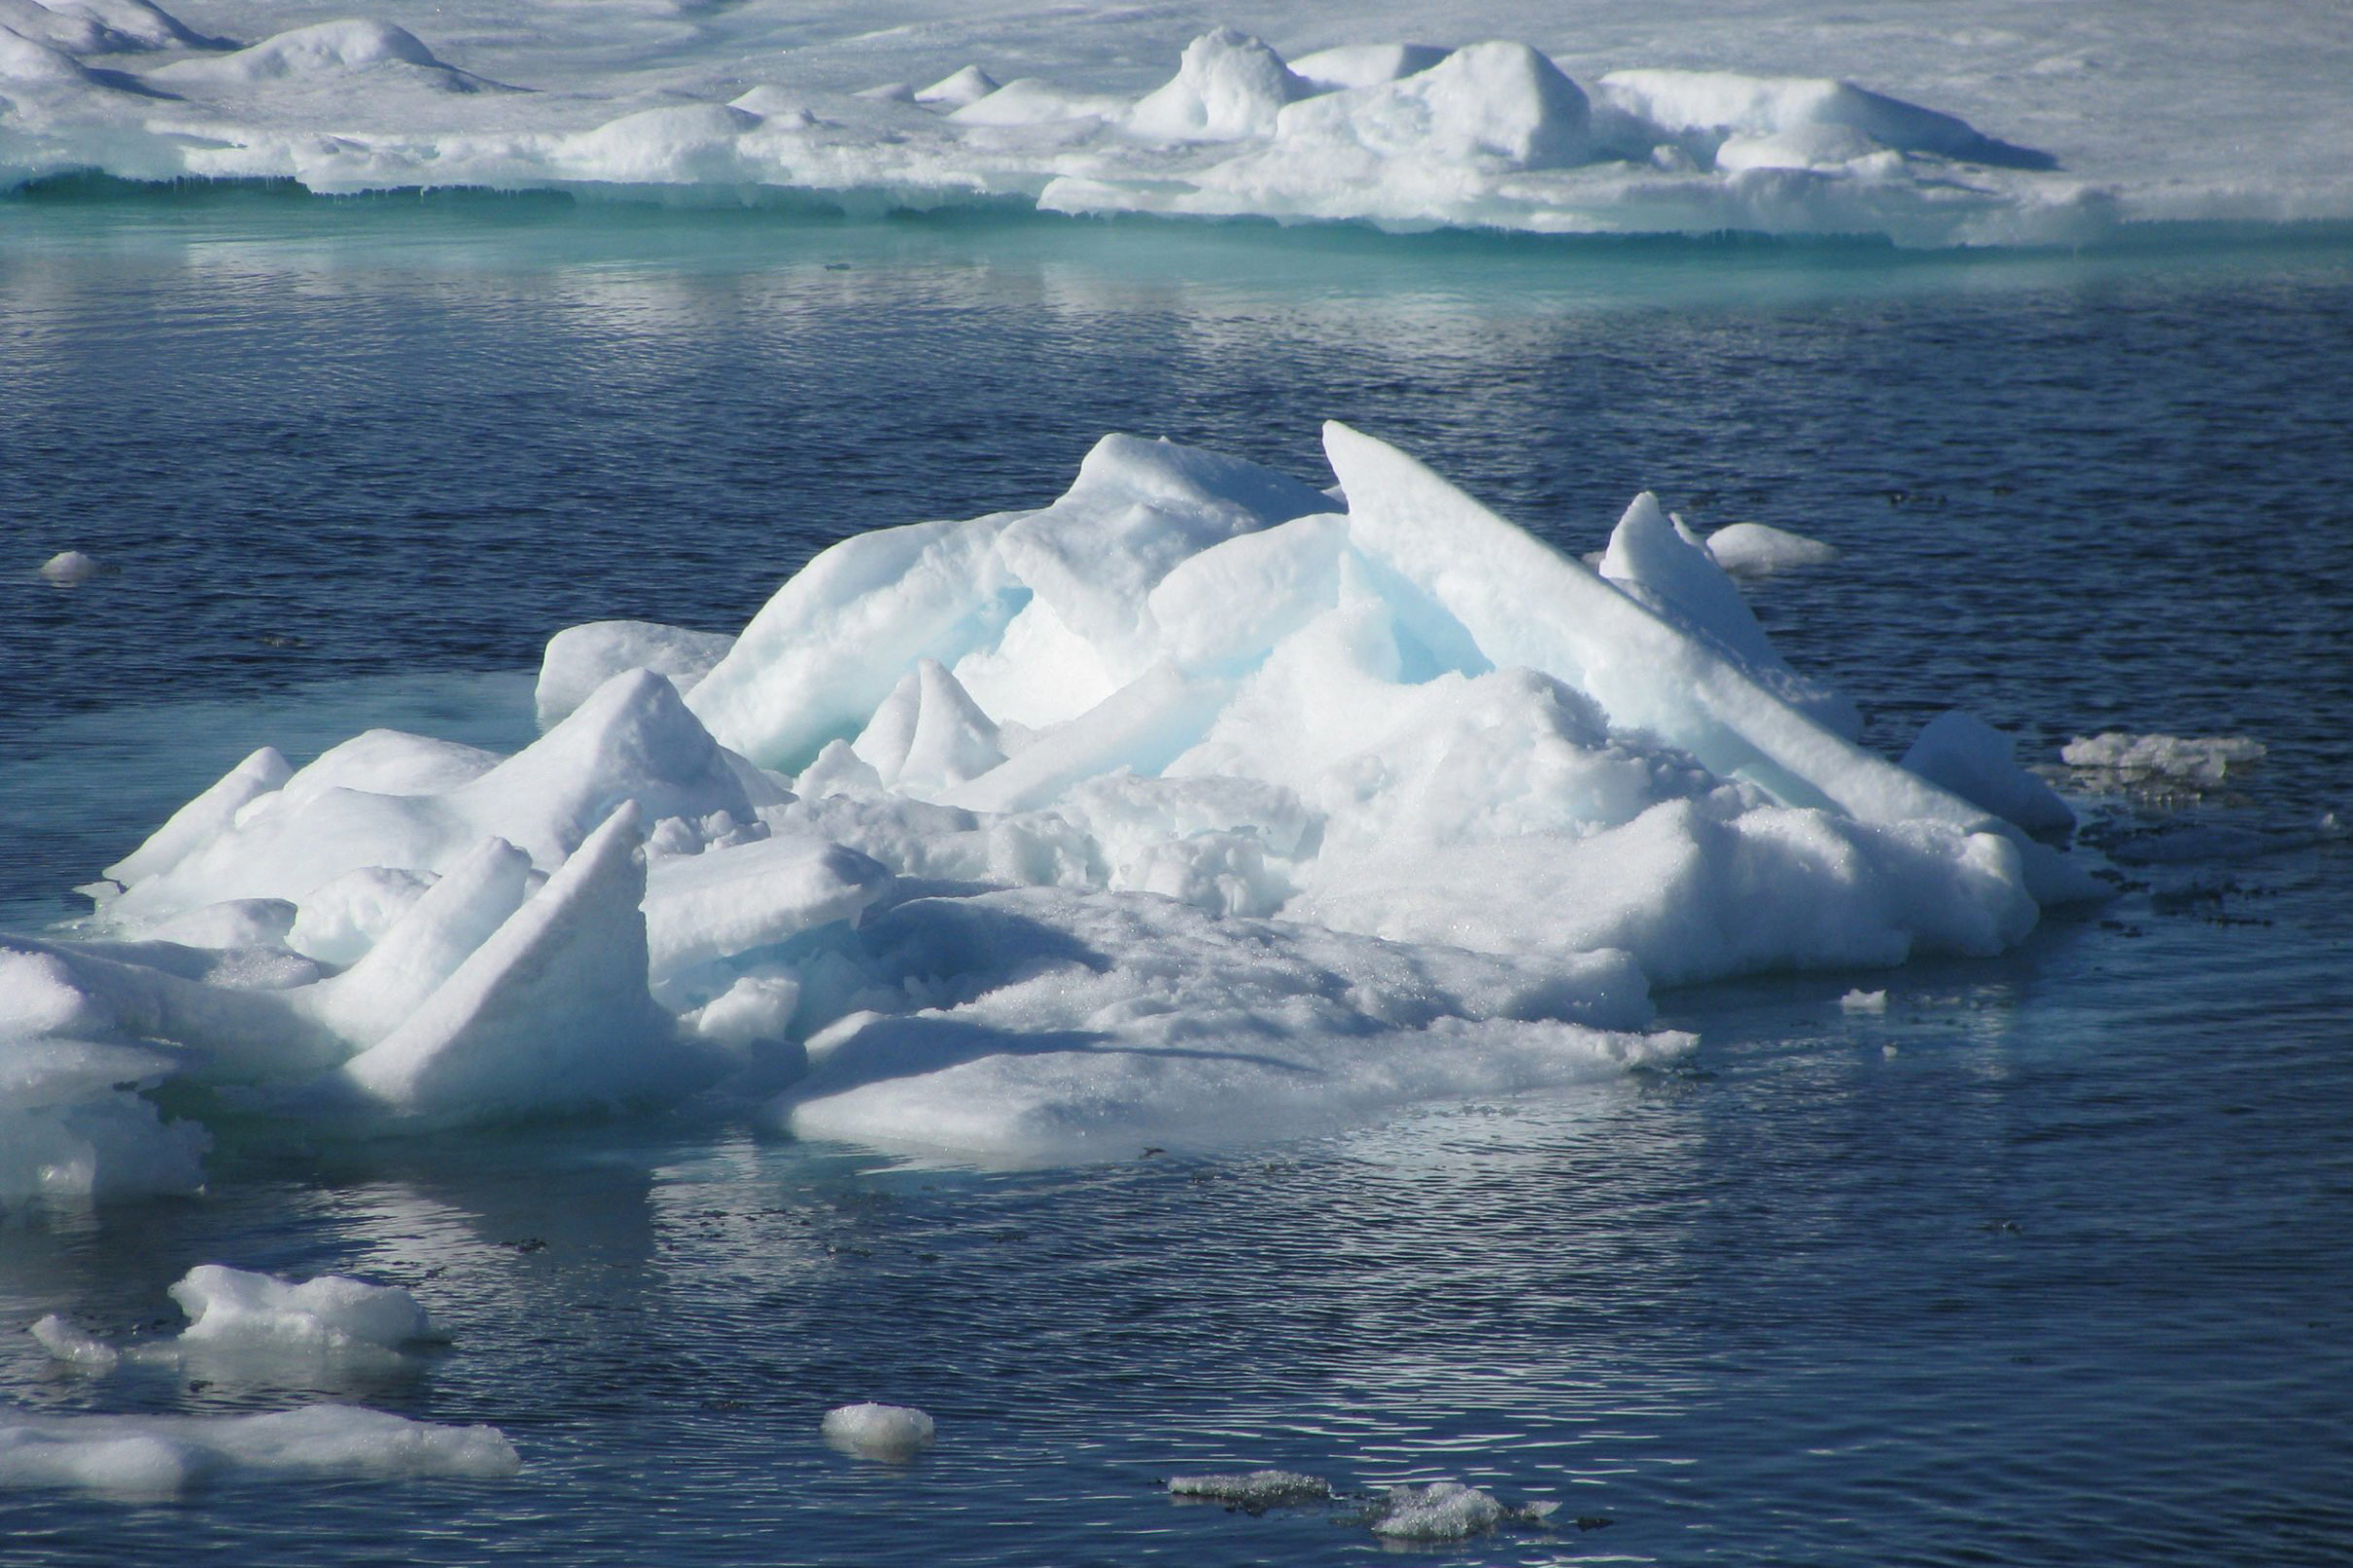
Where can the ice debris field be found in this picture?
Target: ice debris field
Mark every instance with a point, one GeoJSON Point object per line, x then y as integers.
{"type": "Point", "coordinates": [1552, 120]}
{"type": "Point", "coordinates": [247, 1328]}
{"type": "Point", "coordinates": [1201, 805]}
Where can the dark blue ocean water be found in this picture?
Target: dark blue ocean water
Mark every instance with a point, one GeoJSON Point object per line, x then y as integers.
{"type": "Point", "coordinates": [2047, 1263]}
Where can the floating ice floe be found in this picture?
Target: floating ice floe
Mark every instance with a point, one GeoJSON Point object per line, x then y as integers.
{"type": "Point", "coordinates": [1440, 1511]}
{"type": "Point", "coordinates": [1759, 549]}
{"type": "Point", "coordinates": [879, 1431]}
{"type": "Point", "coordinates": [2201, 761]}
{"type": "Point", "coordinates": [1185, 809]}
{"type": "Point", "coordinates": [1445, 1511]}
{"type": "Point", "coordinates": [1490, 135]}
{"type": "Point", "coordinates": [1252, 1489]}
{"type": "Point", "coordinates": [162, 1455]}
{"type": "Point", "coordinates": [237, 1314]}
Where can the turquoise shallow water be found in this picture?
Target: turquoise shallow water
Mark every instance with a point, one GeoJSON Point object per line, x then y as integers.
{"type": "Point", "coordinates": [2044, 1264]}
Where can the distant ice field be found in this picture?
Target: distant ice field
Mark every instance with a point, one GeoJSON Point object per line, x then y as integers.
{"type": "Point", "coordinates": [2014, 123]}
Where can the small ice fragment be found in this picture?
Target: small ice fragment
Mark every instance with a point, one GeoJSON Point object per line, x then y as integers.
{"type": "Point", "coordinates": [69, 567]}
{"type": "Point", "coordinates": [879, 1431]}
{"type": "Point", "coordinates": [73, 1348]}
{"type": "Point", "coordinates": [1759, 549]}
{"type": "Point", "coordinates": [2199, 759]}
{"type": "Point", "coordinates": [1443, 1511]}
{"type": "Point", "coordinates": [1255, 1488]}
{"type": "Point", "coordinates": [231, 1308]}
{"type": "Point", "coordinates": [1977, 763]}
{"type": "Point", "coordinates": [1864, 1001]}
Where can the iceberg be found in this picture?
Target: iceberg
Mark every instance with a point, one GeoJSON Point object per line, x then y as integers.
{"type": "Point", "coordinates": [1556, 131]}
{"type": "Point", "coordinates": [1195, 806]}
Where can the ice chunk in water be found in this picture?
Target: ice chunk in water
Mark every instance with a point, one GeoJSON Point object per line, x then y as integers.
{"type": "Point", "coordinates": [66, 568]}
{"type": "Point", "coordinates": [237, 1316]}
{"type": "Point", "coordinates": [1442, 1511]}
{"type": "Point", "coordinates": [1758, 550]}
{"type": "Point", "coordinates": [879, 1431]}
{"type": "Point", "coordinates": [232, 1308]}
{"type": "Point", "coordinates": [1255, 1488]}
{"type": "Point", "coordinates": [73, 1348]}
{"type": "Point", "coordinates": [1228, 815]}
{"type": "Point", "coordinates": [160, 1455]}
{"type": "Point", "coordinates": [2204, 760]}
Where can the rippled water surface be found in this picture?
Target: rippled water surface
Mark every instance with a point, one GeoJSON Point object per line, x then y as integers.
{"type": "Point", "coordinates": [2046, 1263]}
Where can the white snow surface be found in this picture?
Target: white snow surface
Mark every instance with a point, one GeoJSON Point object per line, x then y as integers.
{"type": "Point", "coordinates": [2011, 121]}
{"type": "Point", "coordinates": [145, 1456]}
{"type": "Point", "coordinates": [1182, 809]}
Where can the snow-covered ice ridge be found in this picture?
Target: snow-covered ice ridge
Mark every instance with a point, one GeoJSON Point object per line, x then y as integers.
{"type": "Point", "coordinates": [1196, 806]}
{"type": "Point", "coordinates": [1702, 122]}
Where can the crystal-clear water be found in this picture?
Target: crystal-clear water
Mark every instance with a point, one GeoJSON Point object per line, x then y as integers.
{"type": "Point", "coordinates": [2045, 1263]}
